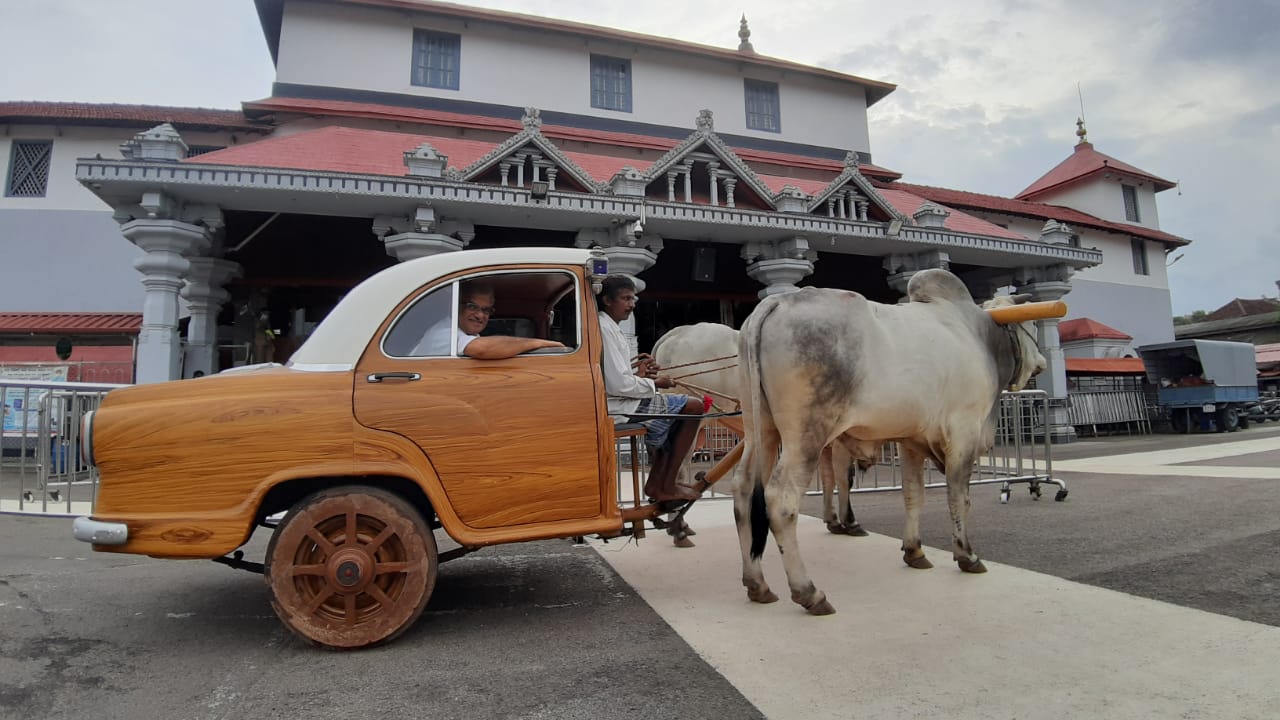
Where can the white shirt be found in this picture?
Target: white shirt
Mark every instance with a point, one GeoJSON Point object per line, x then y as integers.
{"type": "Point", "coordinates": [622, 387]}
{"type": "Point", "coordinates": [435, 343]}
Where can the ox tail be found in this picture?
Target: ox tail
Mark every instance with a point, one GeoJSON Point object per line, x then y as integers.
{"type": "Point", "coordinates": [759, 521]}
{"type": "Point", "coordinates": [749, 349]}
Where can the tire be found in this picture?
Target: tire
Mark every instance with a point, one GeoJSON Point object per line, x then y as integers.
{"type": "Point", "coordinates": [342, 589]}
{"type": "Point", "coordinates": [1228, 419]}
{"type": "Point", "coordinates": [1244, 422]}
{"type": "Point", "coordinates": [1178, 419]}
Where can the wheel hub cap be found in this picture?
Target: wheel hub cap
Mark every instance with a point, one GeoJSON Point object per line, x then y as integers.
{"type": "Point", "coordinates": [349, 570]}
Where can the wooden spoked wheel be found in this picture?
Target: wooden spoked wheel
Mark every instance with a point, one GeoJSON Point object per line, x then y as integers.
{"type": "Point", "coordinates": [351, 567]}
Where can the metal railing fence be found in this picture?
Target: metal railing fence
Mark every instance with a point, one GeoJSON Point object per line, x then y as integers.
{"type": "Point", "coordinates": [41, 468]}
{"type": "Point", "coordinates": [1022, 454]}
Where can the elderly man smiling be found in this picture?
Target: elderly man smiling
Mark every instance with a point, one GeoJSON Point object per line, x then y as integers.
{"type": "Point", "coordinates": [475, 307]}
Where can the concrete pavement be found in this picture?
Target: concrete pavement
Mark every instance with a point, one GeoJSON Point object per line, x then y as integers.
{"type": "Point", "coordinates": [1013, 643]}
{"type": "Point", "coordinates": [940, 643]}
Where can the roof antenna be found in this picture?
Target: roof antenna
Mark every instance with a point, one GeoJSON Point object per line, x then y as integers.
{"type": "Point", "coordinates": [1080, 131]}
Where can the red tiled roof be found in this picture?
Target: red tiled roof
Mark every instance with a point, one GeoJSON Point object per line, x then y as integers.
{"type": "Point", "coordinates": [1084, 162]}
{"type": "Point", "coordinates": [1031, 209]}
{"type": "Point", "coordinates": [1268, 354]}
{"type": "Point", "coordinates": [907, 203]}
{"type": "Point", "coordinates": [1242, 307]}
{"type": "Point", "coordinates": [340, 149]}
{"type": "Point", "coordinates": [131, 115]}
{"type": "Point", "coordinates": [602, 168]}
{"type": "Point", "coordinates": [343, 108]}
{"type": "Point", "coordinates": [270, 13]}
{"type": "Point", "coordinates": [1086, 328]}
{"type": "Point", "coordinates": [66, 323]}
{"type": "Point", "coordinates": [810, 187]}
{"type": "Point", "coordinates": [1106, 366]}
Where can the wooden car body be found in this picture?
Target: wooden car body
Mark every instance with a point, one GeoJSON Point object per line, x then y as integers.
{"type": "Point", "coordinates": [492, 451]}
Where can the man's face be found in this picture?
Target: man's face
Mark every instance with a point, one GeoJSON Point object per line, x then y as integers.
{"type": "Point", "coordinates": [619, 307]}
{"type": "Point", "coordinates": [474, 312]}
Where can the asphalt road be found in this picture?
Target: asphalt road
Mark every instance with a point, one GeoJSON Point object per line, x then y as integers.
{"type": "Point", "coordinates": [549, 630]}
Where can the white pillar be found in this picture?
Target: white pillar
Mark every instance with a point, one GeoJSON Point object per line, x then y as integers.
{"type": "Point", "coordinates": [205, 296]}
{"type": "Point", "coordinates": [1054, 378]}
{"type": "Point", "coordinates": [167, 244]}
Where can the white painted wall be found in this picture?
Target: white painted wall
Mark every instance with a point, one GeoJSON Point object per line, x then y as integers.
{"type": "Point", "coordinates": [371, 49]}
{"type": "Point", "coordinates": [63, 252]}
{"type": "Point", "coordinates": [1103, 198]}
{"type": "Point", "coordinates": [69, 145]}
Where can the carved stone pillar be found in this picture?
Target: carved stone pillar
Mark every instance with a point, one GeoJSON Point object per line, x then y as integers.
{"type": "Point", "coordinates": [167, 243]}
{"type": "Point", "coordinates": [1046, 284]}
{"type": "Point", "coordinates": [205, 295]}
{"type": "Point", "coordinates": [779, 265]}
{"type": "Point", "coordinates": [902, 267]}
{"type": "Point", "coordinates": [422, 234]}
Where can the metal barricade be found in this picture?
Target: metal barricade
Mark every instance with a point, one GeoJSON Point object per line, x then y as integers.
{"type": "Point", "coordinates": [1022, 454]}
{"type": "Point", "coordinates": [41, 468]}
{"type": "Point", "coordinates": [1092, 408]}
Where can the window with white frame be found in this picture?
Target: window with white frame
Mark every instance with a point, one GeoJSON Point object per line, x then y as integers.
{"type": "Point", "coordinates": [436, 59]}
{"type": "Point", "coordinates": [1130, 203]}
{"type": "Point", "coordinates": [610, 83]}
{"type": "Point", "coordinates": [28, 168]}
{"type": "Point", "coordinates": [1139, 248]}
{"type": "Point", "coordinates": [763, 110]}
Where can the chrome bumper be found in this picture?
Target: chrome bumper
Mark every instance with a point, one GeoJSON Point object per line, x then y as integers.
{"type": "Point", "coordinates": [100, 533]}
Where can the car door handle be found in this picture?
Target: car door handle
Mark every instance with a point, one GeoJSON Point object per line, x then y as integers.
{"type": "Point", "coordinates": [379, 377]}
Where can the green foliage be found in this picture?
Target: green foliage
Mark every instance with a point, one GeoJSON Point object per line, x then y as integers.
{"type": "Point", "coordinates": [1195, 317]}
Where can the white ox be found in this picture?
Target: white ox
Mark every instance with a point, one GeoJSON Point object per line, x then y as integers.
{"type": "Point", "coordinates": [708, 353]}
{"type": "Point", "coordinates": [827, 365]}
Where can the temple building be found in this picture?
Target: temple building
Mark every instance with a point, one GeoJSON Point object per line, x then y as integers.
{"type": "Point", "coordinates": [401, 128]}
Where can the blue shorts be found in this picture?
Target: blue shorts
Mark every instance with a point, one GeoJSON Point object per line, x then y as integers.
{"type": "Point", "coordinates": [657, 431]}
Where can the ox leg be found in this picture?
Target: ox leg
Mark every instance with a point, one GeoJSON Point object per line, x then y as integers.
{"type": "Point", "coordinates": [749, 490]}
{"type": "Point", "coordinates": [959, 468]}
{"type": "Point", "coordinates": [827, 476]}
{"type": "Point", "coordinates": [782, 498]}
{"type": "Point", "coordinates": [913, 500]}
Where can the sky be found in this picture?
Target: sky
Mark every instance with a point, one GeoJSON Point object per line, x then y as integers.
{"type": "Point", "coordinates": [987, 99]}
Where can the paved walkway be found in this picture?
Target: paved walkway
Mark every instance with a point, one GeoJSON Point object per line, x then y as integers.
{"type": "Point", "coordinates": [1263, 461]}
{"type": "Point", "coordinates": [1009, 644]}
{"type": "Point", "coordinates": [940, 643]}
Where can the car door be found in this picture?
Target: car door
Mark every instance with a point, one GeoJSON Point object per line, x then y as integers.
{"type": "Point", "coordinates": [514, 441]}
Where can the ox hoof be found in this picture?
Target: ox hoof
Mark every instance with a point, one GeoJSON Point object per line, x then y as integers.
{"type": "Point", "coordinates": [763, 597]}
{"type": "Point", "coordinates": [971, 566]}
{"type": "Point", "coordinates": [682, 542]}
{"type": "Point", "coordinates": [821, 608]}
{"type": "Point", "coordinates": [919, 563]}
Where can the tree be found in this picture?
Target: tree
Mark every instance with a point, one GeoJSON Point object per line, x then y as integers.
{"type": "Point", "coordinates": [1195, 317]}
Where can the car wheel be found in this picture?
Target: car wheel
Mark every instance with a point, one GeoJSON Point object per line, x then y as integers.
{"type": "Point", "coordinates": [1228, 419]}
{"type": "Point", "coordinates": [351, 567]}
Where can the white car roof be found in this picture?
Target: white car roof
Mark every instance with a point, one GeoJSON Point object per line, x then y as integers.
{"type": "Point", "coordinates": [337, 343]}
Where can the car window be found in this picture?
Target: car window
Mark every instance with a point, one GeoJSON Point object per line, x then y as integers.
{"type": "Point", "coordinates": [524, 304]}
{"type": "Point", "coordinates": [423, 330]}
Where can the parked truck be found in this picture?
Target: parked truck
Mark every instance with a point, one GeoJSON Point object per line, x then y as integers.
{"type": "Point", "coordinates": [1203, 384]}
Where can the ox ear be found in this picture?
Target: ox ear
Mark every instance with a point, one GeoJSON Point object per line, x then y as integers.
{"type": "Point", "coordinates": [1020, 298]}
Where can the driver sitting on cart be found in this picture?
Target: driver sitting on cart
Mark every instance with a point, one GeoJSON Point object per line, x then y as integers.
{"type": "Point", "coordinates": [635, 391]}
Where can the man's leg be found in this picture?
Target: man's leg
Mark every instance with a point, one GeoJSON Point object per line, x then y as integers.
{"type": "Point", "coordinates": [662, 483]}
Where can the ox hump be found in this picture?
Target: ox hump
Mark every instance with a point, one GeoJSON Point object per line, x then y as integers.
{"type": "Point", "coordinates": [935, 285]}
